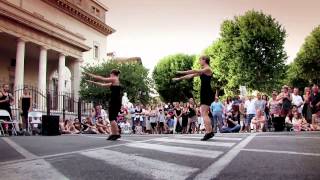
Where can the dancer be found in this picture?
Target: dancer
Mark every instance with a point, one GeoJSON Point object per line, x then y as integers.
{"type": "Point", "coordinates": [206, 93]}
{"type": "Point", "coordinates": [115, 101]}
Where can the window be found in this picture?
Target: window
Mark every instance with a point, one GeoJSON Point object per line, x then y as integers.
{"type": "Point", "coordinates": [95, 11]}
{"type": "Point", "coordinates": [78, 2]}
{"type": "Point", "coordinates": [96, 51]}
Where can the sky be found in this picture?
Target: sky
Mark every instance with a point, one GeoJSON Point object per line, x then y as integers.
{"type": "Point", "coordinates": [152, 29]}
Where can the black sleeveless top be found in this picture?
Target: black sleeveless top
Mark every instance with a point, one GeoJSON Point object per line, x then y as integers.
{"type": "Point", "coordinates": [4, 105]}
{"type": "Point", "coordinates": [192, 112]}
{"type": "Point", "coordinates": [178, 112]}
{"type": "Point", "coordinates": [206, 93]}
{"type": "Point", "coordinates": [116, 96]}
{"type": "Point", "coordinates": [25, 103]}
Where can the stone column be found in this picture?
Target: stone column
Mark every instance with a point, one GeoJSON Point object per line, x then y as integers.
{"type": "Point", "coordinates": [42, 79]}
{"type": "Point", "coordinates": [19, 72]}
{"type": "Point", "coordinates": [76, 78]}
{"type": "Point", "coordinates": [61, 69]}
{"type": "Point", "coordinates": [42, 75]}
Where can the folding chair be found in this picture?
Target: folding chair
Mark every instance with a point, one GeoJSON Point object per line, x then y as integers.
{"type": "Point", "coordinates": [5, 113]}
{"type": "Point", "coordinates": [34, 119]}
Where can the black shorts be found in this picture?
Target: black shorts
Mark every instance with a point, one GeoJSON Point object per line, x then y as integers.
{"type": "Point", "coordinates": [161, 124]}
{"type": "Point", "coordinates": [153, 125]}
{"type": "Point", "coordinates": [114, 112]}
{"type": "Point", "coordinates": [206, 100]}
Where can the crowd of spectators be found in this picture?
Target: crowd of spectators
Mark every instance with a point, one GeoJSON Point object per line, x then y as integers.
{"type": "Point", "coordinates": [286, 110]}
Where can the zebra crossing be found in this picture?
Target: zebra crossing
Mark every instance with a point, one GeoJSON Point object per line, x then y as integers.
{"type": "Point", "coordinates": [179, 146]}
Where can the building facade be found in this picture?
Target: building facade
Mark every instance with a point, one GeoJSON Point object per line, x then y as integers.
{"type": "Point", "coordinates": [44, 42]}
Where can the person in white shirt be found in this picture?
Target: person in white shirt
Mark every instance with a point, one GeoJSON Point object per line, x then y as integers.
{"type": "Point", "coordinates": [250, 112]}
{"type": "Point", "coordinates": [297, 100]}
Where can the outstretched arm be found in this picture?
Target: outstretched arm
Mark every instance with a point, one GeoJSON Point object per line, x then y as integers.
{"type": "Point", "coordinates": [189, 76]}
{"type": "Point", "coordinates": [100, 78]}
{"type": "Point", "coordinates": [100, 84]}
{"type": "Point", "coordinates": [199, 71]}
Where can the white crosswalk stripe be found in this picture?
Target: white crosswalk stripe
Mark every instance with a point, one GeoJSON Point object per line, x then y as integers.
{"type": "Point", "coordinates": [177, 150]}
{"type": "Point", "coordinates": [214, 138]}
{"type": "Point", "coordinates": [205, 143]}
{"type": "Point", "coordinates": [35, 169]}
{"type": "Point", "coordinates": [154, 169]}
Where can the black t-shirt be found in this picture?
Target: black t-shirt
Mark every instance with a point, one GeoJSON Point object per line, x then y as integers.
{"type": "Point", "coordinates": [314, 100]}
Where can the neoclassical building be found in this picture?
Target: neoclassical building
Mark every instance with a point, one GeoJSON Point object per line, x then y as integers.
{"type": "Point", "coordinates": [44, 42]}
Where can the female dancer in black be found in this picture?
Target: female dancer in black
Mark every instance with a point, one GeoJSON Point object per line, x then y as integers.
{"type": "Point", "coordinates": [206, 93]}
{"type": "Point", "coordinates": [26, 107]}
{"type": "Point", "coordinates": [115, 98]}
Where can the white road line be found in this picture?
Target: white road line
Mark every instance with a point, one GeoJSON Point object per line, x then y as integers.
{"type": "Point", "coordinates": [154, 169]}
{"type": "Point", "coordinates": [67, 153]}
{"type": "Point", "coordinates": [177, 150]}
{"type": "Point", "coordinates": [19, 149]}
{"type": "Point", "coordinates": [294, 137]}
{"type": "Point", "coordinates": [214, 169]}
{"type": "Point", "coordinates": [105, 137]}
{"type": "Point", "coordinates": [281, 152]}
{"type": "Point", "coordinates": [36, 169]}
{"type": "Point", "coordinates": [214, 138]}
{"type": "Point", "coordinates": [205, 143]}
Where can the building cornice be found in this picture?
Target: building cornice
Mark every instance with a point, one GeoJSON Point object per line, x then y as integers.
{"type": "Point", "coordinates": [81, 15]}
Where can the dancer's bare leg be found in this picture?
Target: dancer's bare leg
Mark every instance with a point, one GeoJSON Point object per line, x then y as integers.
{"type": "Point", "coordinates": [114, 128]}
{"type": "Point", "coordinates": [207, 121]}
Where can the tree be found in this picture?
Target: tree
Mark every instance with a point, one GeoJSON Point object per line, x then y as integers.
{"type": "Point", "coordinates": [165, 70]}
{"type": "Point", "coordinates": [134, 79]}
{"type": "Point", "coordinates": [253, 52]}
{"type": "Point", "coordinates": [305, 68]}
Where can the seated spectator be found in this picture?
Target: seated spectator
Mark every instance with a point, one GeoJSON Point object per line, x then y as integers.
{"type": "Point", "coordinates": [77, 124]}
{"type": "Point", "coordinates": [125, 127]}
{"type": "Point", "coordinates": [70, 127]}
{"type": "Point", "coordinates": [230, 125]}
{"type": "Point", "coordinates": [89, 127]}
{"type": "Point", "coordinates": [62, 127]}
{"type": "Point", "coordinates": [258, 121]}
{"type": "Point", "coordinates": [139, 128]}
{"type": "Point", "coordinates": [102, 126]}
{"type": "Point", "coordinates": [315, 126]}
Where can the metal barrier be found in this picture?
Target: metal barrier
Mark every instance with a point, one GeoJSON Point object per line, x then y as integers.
{"type": "Point", "coordinates": [53, 103]}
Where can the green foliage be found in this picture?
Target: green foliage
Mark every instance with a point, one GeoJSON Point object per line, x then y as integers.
{"type": "Point", "coordinates": [250, 52]}
{"type": "Point", "coordinates": [165, 70]}
{"type": "Point", "coordinates": [134, 79]}
{"type": "Point", "coordinates": [306, 67]}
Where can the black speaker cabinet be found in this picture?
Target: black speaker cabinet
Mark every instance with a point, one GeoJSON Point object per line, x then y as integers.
{"type": "Point", "coordinates": [50, 125]}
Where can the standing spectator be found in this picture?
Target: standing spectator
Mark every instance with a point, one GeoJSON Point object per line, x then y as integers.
{"type": "Point", "coordinates": [260, 103]}
{"type": "Point", "coordinates": [6, 99]}
{"type": "Point", "coordinates": [26, 107]}
{"type": "Point", "coordinates": [153, 120]}
{"type": "Point", "coordinates": [315, 99]}
{"type": "Point", "coordinates": [161, 119]}
{"type": "Point", "coordinates": [250, 112]}
{"type": "Point", "coordinates": [184, 118]}
{"type": "Point", "coordinates": [285, 99]}
{"type": "Point", "coordinates": [192, 114]}
{"type": "Point", "coordinates": [217, 111]}
{"type": "Point", "coordinates": [306, 110]}
{"type": "Point", "coordinates": [178, 119]}
{"type": "Point", "coordinates": [242, 113]}
{"type": "Point", "coordinates": [275, 111]}
{"type": "Point", "coordinates": [132, 111]}
{"type": "Point", "coordinates": [297, 99]}
{"type": "Point", "coordinates": [228, 104]}
{"type": "Point", "coordinates": [95, 113]}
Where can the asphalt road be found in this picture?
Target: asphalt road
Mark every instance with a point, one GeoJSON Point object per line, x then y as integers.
{"type": "Point", "coordinates": [227, 156]}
